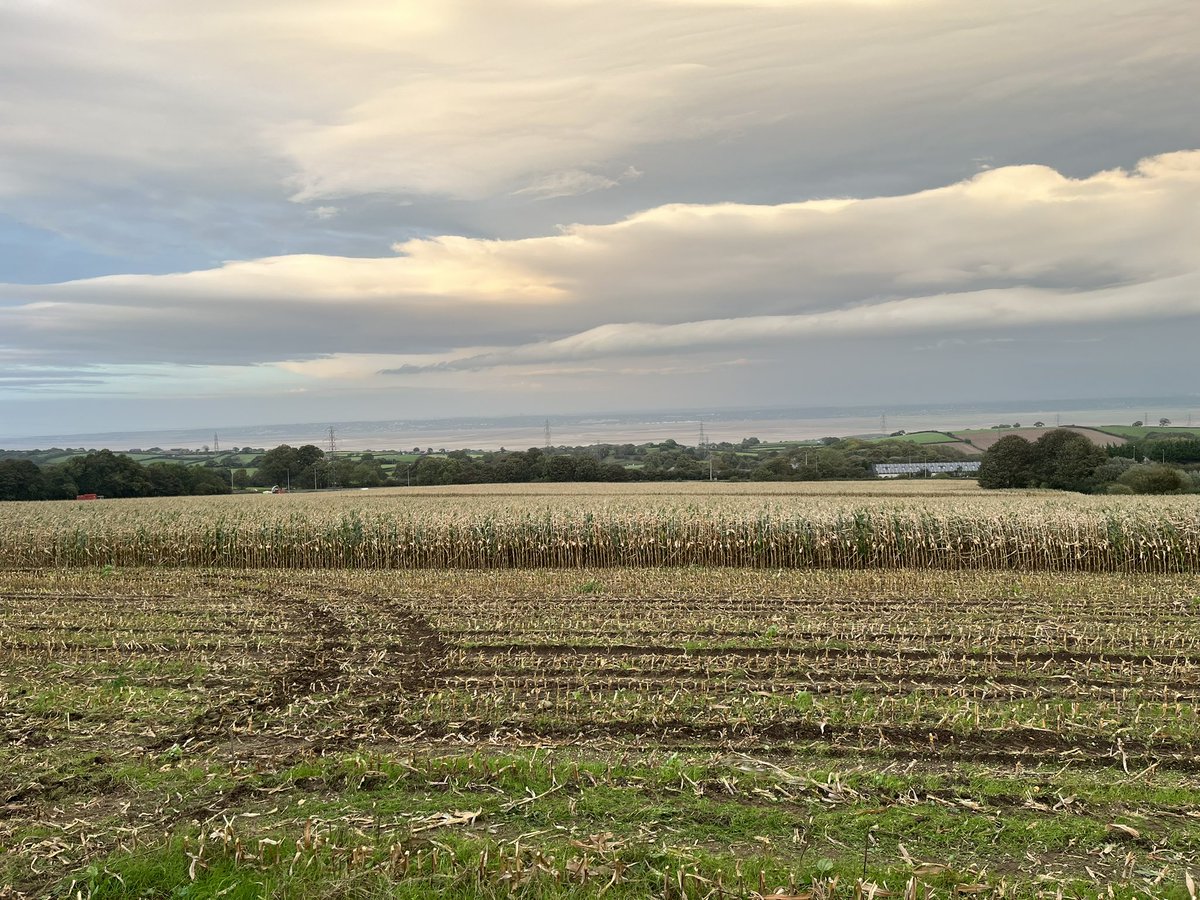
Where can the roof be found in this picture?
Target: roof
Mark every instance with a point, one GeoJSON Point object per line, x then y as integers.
{"type": "Point", "coordinates": [923, 467]}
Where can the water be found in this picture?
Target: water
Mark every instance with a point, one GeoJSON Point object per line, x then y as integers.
{"type": "Point", "coordinates": [519, 433]}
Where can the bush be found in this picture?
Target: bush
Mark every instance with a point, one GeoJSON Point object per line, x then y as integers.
{"type": "Point", "coordinates": [1155, 478]}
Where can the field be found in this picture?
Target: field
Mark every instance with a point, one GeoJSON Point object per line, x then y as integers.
{"type": "Point", "coordinates": [924, 437]}
{"type": "Point", "coordinates": [1137, 432]}
{"type": "Point", "coordinates": [949, 525]}
{"type": "Point", "coordinates": [984, 438]}
{"type": "Point", "coordinates": [858, 730]}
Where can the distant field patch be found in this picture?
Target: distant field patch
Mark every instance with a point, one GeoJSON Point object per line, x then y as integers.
{"type": "Point", "coordinates": [1141, 432]}
{"type": "Point", "coordinates": [925, 437]}
{"type": "Point", "coordinates": [985, 437]}
{"type": "Point", "coordinates": [933, 438]}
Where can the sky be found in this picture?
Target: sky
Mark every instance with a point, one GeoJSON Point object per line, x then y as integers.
{"type": "Point", "coordinates": [248, 213]}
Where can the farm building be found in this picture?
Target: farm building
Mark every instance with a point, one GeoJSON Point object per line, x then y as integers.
{"type": "Point", "coordinates": [901, 470]}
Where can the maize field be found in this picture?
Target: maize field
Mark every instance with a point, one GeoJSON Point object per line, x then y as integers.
{"type": "Point", "coordinates": [694, 692]}
{"type": "Point", "coordinates": [942, 525]}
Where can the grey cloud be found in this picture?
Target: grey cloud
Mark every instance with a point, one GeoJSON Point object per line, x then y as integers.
{"type": "Point", "coordinates": [1170, 299]}
{"type": "Point", "coordinates": [171, 135]}
{"type": "Point", "coordinates": [1016, 245]}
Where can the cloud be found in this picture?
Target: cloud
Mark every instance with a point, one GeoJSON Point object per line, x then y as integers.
{"type": "Point", "coordinates": [1010, 248]}
{"type": "Point", "coordinates": [470, 99]}
{"type": "Point", "coordinates": [1170, 299]}
{"type": "Point", "coordinates": [298, 195]}
{"type": "Point", "coordinates": [573, 182]}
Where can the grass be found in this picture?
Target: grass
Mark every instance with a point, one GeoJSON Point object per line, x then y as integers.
{"type": "Point", "coordinates": [925, 437]}
{"type": "Point", "coordinates": [1144, 431]}
{"type": "Point", "coordinates": [461, 821]}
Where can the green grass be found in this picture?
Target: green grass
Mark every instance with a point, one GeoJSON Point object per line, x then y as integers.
{"type": "Point", "coordinates": [1148, 431]}
{"type": "Point", "coordinates": [924, 437]}
{"type": "Point", "coordinates": [562, 824]}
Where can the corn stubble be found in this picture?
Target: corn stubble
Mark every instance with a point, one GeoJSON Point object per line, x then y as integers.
{"type": "Point", "coordinates": [381, 733]}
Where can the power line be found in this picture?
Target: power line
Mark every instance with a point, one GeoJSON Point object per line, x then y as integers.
{"type": "Point", "coordinates": [706, 450]}
{"type": "Point", "coordinates": [332, 450]}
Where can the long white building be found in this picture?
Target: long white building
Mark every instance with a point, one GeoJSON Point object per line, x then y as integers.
{"type": "Point", "coordinates": [899, 470]}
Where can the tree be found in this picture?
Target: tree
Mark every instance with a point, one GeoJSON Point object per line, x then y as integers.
{"type": "Point", "coordinates": [777, 469]}
{"type": "Point", "coordinates": [368, 473]}
{"type": "Point", "coordinates": [1008, 463]}
{"type": "Point", "coordinates": [20, 479]}
{"type": "Point", "coordinates": [166, 479]}
{"type": "Point", "coordinates": [199, 480]}
{"type": "Point", "coordinates": [286, 463]}
{"type": "Point", "coordinates": [109, 474]}
{"type": "Point", "coordinates": [1066, 460]}
{"type": "Point", "coordinates": [1137, 424]}
{"type": "Point", "coordinates": [1164, 422]}
{"type": "Point", "coordinates": [59, 483]}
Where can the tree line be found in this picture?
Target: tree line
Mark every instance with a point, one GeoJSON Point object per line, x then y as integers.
{"type": "Point", "coordinates": [106, 474]}
{"type": "Point", "coordinates": [307, 467]}
{"type": "Point", "coordinates": [1178, 450]}
{"type": "Point", "coordinates": [1064, 460]}
{"type": "Point", "coordinates": [832, 459]}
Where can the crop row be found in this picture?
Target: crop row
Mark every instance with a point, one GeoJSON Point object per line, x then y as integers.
{"type": "Point", "coordinates": [1138, 540]}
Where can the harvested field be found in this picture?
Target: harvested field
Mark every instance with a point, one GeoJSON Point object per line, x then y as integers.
{"type": "Point", "coordinates": [983, 439]}
{"type": "Point", "coordinates": [676, 733]}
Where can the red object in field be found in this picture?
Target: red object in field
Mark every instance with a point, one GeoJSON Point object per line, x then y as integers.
{"type": "Point", "coordinates": [86, 497]}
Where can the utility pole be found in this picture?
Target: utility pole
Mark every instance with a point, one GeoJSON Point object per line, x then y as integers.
{"type": "Point", "coordinates": [216, 444]}
{"type": "Point", "coordinates": [883, 422]}
{"type": "Point", "coordinates": [547, 436]}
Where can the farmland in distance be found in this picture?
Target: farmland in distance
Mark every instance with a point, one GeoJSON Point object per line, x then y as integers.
{"type": "Point", "coordinates": [671, 730]}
